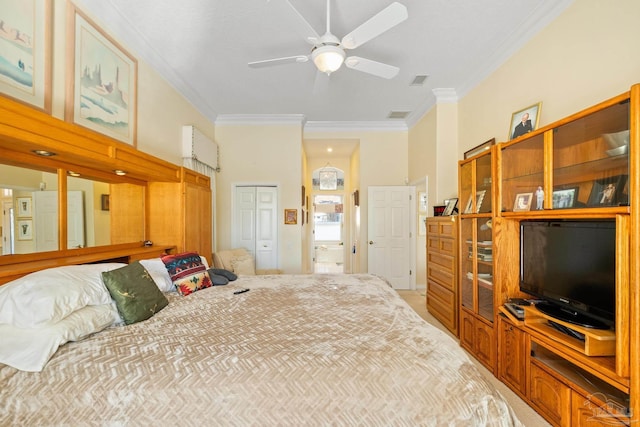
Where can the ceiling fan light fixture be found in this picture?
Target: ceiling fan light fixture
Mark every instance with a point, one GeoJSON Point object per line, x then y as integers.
{"type": "Point", "coordinates": [328, 58]}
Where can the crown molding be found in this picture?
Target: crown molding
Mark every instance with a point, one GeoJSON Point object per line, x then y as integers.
{"type": "Point", "coordinates": [260, 120]}
{"type": "Point", "coordinates": [445, 95]}
{"type": "Point", "coordinates": [364, 126]}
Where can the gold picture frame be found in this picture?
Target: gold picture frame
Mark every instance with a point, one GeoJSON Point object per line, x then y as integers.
{"type": "Point", "coordinates": [525, 120]}
{"type": "Point", "coordinates": [291, 216]}
{"type": "Point", "coordinates": [25, 47]}
{"type": "Point", "coordinates": [102, 87]}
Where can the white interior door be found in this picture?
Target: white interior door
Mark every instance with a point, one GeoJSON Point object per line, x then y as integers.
{"type": "Point", "coordinates": [391, 240]}
{"type": "Point", "coordinates": [7, 227]}
{"type": "Point", "coordinates": [255, 224]}
{"type": "Point", "coordinates": [45, 211]}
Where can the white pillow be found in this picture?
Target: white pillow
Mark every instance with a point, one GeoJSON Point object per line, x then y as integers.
{"type": "Point", "coordinates": [31, 349]}
{"type": "Point", "coordinates": [50, 295]}
{"type": "Point", "coordinates": [159, 273]}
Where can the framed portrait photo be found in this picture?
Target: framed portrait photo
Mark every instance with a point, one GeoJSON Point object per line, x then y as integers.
{"type": "Point", "coordinates": [525, 120]}
{"type": "Point", "coordinates": [102, 87]}
{"type": "Point", "coordinates": [25, 51]}
{"type": "Point", "coordinates": [523, 202]}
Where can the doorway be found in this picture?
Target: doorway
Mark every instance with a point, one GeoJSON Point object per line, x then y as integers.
{"type": "Point", "coordinates": [328, 243]}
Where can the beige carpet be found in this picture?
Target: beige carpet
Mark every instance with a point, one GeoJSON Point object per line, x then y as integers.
{"type": "Point", "coordinates": [529, 417]}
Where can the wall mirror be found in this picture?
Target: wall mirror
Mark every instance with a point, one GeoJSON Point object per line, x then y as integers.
{"type": "Point", "coordinates": [29, 199]}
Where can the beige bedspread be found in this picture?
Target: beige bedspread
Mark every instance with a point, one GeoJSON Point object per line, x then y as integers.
{"type": "Point", "coordinates": [294, 350]}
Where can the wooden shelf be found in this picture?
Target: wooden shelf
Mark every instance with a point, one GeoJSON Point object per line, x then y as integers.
{"type": "Point", "coordinates": [597, 342]}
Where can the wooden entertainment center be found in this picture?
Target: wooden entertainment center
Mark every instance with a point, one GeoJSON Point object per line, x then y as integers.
{"type": "Point", "coordinates": [560, 171]}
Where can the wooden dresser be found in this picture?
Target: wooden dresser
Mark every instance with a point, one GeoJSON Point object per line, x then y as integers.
{"type": "Point", "coordinates": [442, 270]}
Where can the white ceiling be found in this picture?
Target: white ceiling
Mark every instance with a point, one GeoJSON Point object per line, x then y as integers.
{"type": "Point", "coordinates": [202, 48]}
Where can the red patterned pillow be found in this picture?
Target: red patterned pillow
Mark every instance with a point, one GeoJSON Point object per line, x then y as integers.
{"type": "Point", "coordinates": [187, 272]}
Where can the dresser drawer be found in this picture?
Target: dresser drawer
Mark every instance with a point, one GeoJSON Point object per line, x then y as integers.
{"type": "Point", "coordinates": [443, 276]}
{"type": "Point", "coordinates": [447, 229]}
{"type": "Point", "coordinates": [447, 246]}
{"type": "Point", "coordinates": [446, 261]}
{"type": "Point", "coordinates": [441, 304]}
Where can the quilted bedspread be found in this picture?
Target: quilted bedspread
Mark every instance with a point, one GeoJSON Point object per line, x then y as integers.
{"type": "Point", "coordinates": [294, 350]}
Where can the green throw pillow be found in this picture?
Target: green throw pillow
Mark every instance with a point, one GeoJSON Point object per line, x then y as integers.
{"type": "Point", "coordinates": [135, 293]}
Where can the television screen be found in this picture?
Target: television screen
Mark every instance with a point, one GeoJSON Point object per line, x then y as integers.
{"type": "Point", "coordinates": [570, 264]}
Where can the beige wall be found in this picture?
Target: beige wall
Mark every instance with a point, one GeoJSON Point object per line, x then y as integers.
{"type": "Point", "coordinates": [262, 154]}
{"type": "Point", "coordinates": [587, 55]}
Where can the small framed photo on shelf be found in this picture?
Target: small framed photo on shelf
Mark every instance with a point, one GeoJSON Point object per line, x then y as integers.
{"type": "Point", "coordinates": [608, 191]}
{"type": "Point", "coordinates": [479, 198]}
{"type": "Point", "coordinates": [523, 202]}
{"type": "Point", "coordinates": [480, 148]}
{"type": "Point", "coordinates": [450, 207]}
{"type": "Point", "coordinates": [565, 198]}
{"type": "Point", "coordinates": [525, 120]}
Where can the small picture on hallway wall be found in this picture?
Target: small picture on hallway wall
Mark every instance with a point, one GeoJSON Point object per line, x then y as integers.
{"type": "Point", "coordinates": [291, 216]}
{"type": "Point", "coordinates": [525, 120]}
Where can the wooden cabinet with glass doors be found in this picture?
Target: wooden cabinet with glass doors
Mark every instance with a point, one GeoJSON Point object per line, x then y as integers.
{"type": "Point", "coordinates": [476, 258]}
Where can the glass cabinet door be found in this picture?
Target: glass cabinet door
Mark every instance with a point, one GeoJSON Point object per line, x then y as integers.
{"type": "Point", "coordinates": [483, 184]}
{"type": "Point", "coordinates": [484, 260]}
{"type": "Point", "coordinates": [467, 271]}
{"type": "Point", "coordinates": [523, 175]}
{"type": "Point", "coordinates": [591, 160]}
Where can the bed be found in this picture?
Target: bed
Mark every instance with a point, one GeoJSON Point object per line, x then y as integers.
{"type": "Point", "coordinates": [292, 350]}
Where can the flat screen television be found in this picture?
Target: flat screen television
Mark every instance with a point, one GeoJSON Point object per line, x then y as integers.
{"type": "Point", "coordinates": [570, 265]}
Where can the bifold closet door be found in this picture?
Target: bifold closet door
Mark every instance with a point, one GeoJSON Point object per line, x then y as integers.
{"type": "Point", "coordinates": [256, 224]}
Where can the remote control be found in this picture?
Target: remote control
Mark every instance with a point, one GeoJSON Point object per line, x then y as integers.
{"type": "Point", "coordinates": [240, 291]}
{"type": "Point", "coordinates": [515, 310]}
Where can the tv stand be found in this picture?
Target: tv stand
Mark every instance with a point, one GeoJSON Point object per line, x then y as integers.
{"type": "Point", "coordinates": [596, 342]}
{"type": "Point", "coordinates": [569, 316]}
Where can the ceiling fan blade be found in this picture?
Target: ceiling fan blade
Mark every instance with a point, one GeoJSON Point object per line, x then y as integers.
{"type": "Point", "coordinates": [279, 61]}
{"type": "Point", "coordinates": [384, 20]}
{"type": "Point", "coordinates": [303, 28]}
{"type": "Point", "coordinates": [371, 67]}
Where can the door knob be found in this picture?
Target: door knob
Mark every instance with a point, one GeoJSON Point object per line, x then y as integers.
{"type": "Point", "coordinates": [371, 242]}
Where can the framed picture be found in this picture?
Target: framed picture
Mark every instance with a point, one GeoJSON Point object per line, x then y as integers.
{"type": "Point", "coordinates": [523, 202]}
{"type": "Point", "coordinates": [25, 229]}
{"type": "Point", "coordinates": [24, 207]}
{"type": "Point", "coordinates": [303, 195]}
{"type": "Point", "coordinates": [302, 218]}
{"type": "Point", "coordinates": [450, 207]}
{"type": "Point", "coordinates": [423, 201]}
{"type": "Point", "coordinates": [291, 216]}
{"type": "Point", "coordinates": [480, 148]}
{"type": "Point", "coordinates": [608, 191]}
{"type": "Point", "coordinates": [25, 51]}
{"type": "Point", "coordinates": [565, 198]}
{"type": "Point", "coordinates": [104, 202]}
{"type": "Point", "coordinates": [469, 205]}
{"type": "Point", "coordinates": [479, 198]}
{"type": "Point", "coordinates": [102, 87]}
{"type": "Point", "coordinates": [525, 120]}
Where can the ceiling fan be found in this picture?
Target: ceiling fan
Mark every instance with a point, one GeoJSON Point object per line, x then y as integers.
{"type": "Point", "coordinates": [328, 52]}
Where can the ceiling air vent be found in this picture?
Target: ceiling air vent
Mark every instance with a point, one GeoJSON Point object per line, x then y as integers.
{"type": "Point", "coordinates": [418, 80]}
{"type": "Point", "coordinates": [398, 114]}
